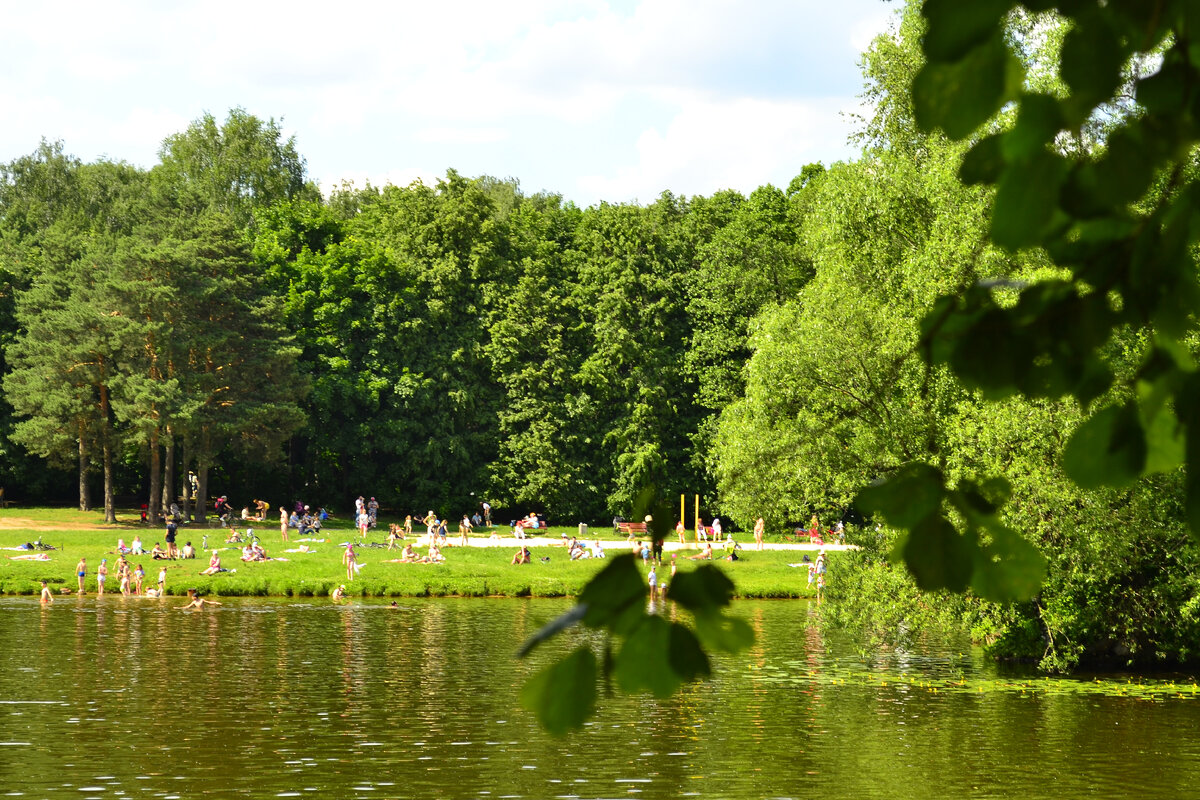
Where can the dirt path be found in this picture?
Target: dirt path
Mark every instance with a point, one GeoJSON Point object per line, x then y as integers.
{"type": "Point", "coordinates": [12, 523]}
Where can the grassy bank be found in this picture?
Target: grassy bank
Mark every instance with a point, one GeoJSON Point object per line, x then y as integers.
{"type": "Point", "coordinates": [468, 571]}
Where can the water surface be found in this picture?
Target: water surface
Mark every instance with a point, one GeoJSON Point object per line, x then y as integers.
{"type": "Point", "coordinates": [261, 698]}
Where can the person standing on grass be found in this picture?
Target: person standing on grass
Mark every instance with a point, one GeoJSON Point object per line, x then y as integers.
{"type": "Point", "coordinates": [81, 572]}
{"type": "Point", "coordinates": [464, 529]}
{"type": "Point", "coordinates": [162, 579]}
{"type": "Point", "coordinates": [349, 559]}
{"type": "Point", "coordinates": [139, 576]}
{"type": "Point", "coordinates": [101, 576]}
{"type": "Point", "coordinates": [283, 523]}
{"type": "Point", "coordinates": [172, 528]}
{"type": "Point", "coordinates": [759, 525]}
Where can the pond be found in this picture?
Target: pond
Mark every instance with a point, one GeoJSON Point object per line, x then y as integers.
{"type": "Point", "coordinates": [264, 698]}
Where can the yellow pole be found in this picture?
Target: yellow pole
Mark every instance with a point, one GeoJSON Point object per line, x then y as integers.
{"type": "Point", "coordinates": [697, 519]}
{"type": "Point", "coordinates": [682, 507]}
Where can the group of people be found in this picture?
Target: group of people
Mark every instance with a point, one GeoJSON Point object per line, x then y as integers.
{"type": "Point", "coordinates": [130, 578]}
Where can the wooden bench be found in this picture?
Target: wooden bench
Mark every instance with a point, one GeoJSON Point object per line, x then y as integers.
{"type": "Point", "coordinates": [630, 528]}
{"type": "Point", "coordinates": [4, 503]}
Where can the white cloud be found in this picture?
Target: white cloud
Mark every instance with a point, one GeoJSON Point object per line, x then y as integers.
{"type": "Point", "coordinates": [712, 145]}
{"type": "Point", "coordinates": [635, 96]}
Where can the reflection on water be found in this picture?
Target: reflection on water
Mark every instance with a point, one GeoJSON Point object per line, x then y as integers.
{"type": "Point", "coordinates": [134, 698]}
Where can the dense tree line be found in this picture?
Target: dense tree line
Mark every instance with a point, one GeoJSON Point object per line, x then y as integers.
{"type": "Point", "coordinates": [431, 345]}
{"type": "Point", "coordinates": [438, 345]}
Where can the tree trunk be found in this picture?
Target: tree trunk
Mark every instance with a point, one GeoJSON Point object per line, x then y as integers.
{"type": "Point", "coordinates": [168, 487]}
{"type": "Point", "coordinates": [153, 507]}
{"type": "Point", "coordinates": [201, 491]}
{"type": "Point", "coordinates": [110, 510]}
{"type": "Point", "coordinates": [187, 484]}
{"type": "Point", "coordinates": [202, 475]}
{"type": "Point", "coordinates": [85, 495]}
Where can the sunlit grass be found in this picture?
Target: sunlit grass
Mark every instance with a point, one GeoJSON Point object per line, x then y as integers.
{"type": "Point", "coordinates": [470, 571]}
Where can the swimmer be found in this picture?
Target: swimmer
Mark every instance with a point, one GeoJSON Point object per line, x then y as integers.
{"type": "Point", "coordinates": [46, 596]}
{"type": "Point", "coordinates": [196, 601]}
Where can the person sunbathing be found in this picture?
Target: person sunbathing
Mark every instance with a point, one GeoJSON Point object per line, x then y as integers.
{"type": "Point", "coordinates": [703, 555]}
{"type": "Point", "coordinates": [395, 534]}
{"type": "Point", "coordinates": [523, 556]}
{"type": "Point", "coordinates": [214, 565]}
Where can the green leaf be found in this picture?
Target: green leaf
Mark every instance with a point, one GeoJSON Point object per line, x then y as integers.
{"type": "Point", "coordinates": [1127, 167]}
{"type": "Point", "coordinates": [984, 498]}
{"type": "Point", "coordinates": [721, 632]}
{"type": "Point", "coordinates": [685, 655]}
{"type": "Point", "coordinates": [938, 556]}
{"type": "Point", "coordinates": [1189, 412]}
{"type": "Point", "coordinates": [1009, 569]}
{"type": "Point", "coordinates": [1026, 206]}
{"type": "Point", "coordinates": [984, 162]}
{"type": "Point", "coordinates": [958, 97]}
{"type": "Point", "coordinates": [1038, 122]}
{"type": "Point", "coordinates": [1165, 442]}
{"type": "Point", "coordinates": [616, 596]}
{"type": "Point", "coordinates": [990, 354]}
{"type": "Point", "coordinates": [955, 27]}
{"type": "Point", "coordinates": [912, 493]}
{"type": "Point", "coordinates": [1091, 60]}
{"type": "Point", "coordinates": [703, 591]}
{"type": "Point", "coordinates": [563, 695]}
{"type": "Point", "coordinates": [642, 665]}
{"type": "Point", "coordinates": [1109, 449]}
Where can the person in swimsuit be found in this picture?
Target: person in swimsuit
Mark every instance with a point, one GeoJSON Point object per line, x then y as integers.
{"type": "Point", "coordinates": [195, 601]}
{"type": "Point", "coordinates": [349, 559]}
{"type": "Point", "coordinates": [81, 572]}
{"type": "Point", "coordinates": [214, 566]}
{"type": "Point", "coordinates": [101, 576]}
{"type": "Point", "coordinates": [339, 593]}
{"type": "Point", "coordinates": [759, 526]}
{"type": "Point", "coordinates": [46, 596]}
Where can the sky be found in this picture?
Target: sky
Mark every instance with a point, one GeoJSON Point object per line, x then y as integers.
{"type": "Point", "coordinates": [596, 100]}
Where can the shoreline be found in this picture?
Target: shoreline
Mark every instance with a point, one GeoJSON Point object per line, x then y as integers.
{"type": "Point", "coordinates": [481, 569]}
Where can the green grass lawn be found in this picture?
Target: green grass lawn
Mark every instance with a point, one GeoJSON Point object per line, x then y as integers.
{"type": "Point", "coordinates": [468, 571]}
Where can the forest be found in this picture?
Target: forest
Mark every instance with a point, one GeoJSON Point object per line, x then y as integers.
{"type": "Point", "coordinates": [954, 299]}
